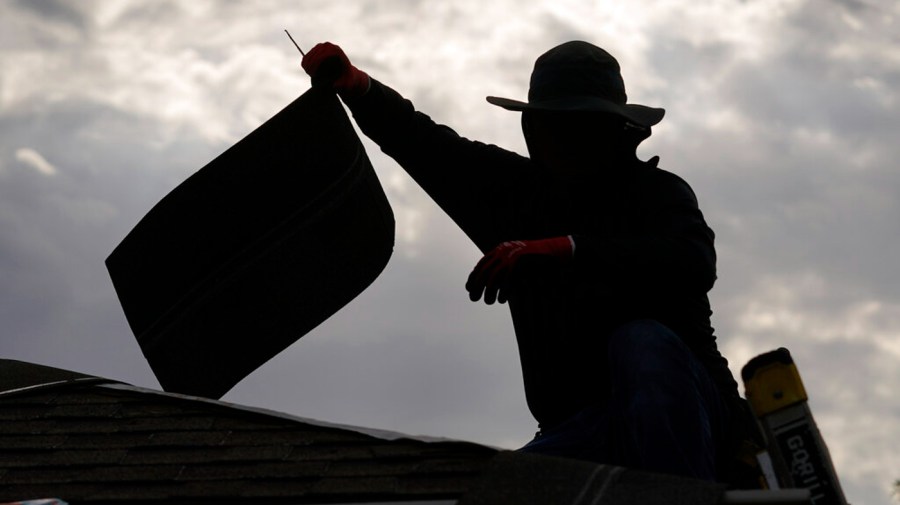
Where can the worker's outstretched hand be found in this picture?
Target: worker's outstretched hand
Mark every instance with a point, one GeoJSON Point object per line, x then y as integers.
{"type": "Point", "coordinates": [493, 273]}
{"type": "Point", "coordinates": [327, 65]}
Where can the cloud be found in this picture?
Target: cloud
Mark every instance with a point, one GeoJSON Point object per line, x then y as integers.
{"type": "Point", "coordinates": [52, 11]}
{"type": "Point", "coordinates": [33, 160]}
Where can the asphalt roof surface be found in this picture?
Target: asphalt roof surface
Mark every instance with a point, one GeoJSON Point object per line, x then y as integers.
{"type": "Point", "coordinates": [90, 440]}
{"type": "Point", "coordinates": [66, 436]}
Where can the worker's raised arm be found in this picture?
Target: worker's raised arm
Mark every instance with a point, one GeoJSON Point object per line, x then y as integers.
{"type": "Point", "coordinates": [471, 181]}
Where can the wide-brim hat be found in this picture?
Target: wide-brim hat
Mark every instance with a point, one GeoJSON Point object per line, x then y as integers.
{"type": "Point", "coordinates": [579, 76]}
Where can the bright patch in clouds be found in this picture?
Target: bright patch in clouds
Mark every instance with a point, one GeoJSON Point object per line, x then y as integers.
{"type": "Point", "coordinates": [33, 160]}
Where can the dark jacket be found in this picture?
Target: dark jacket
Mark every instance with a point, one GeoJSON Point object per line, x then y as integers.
{"type": "Point", "coordinates": [643, 249]}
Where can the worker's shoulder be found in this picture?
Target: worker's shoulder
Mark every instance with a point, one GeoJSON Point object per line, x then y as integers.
{"type": "Point", "coordinates": [651, 173]}
{"type": "Point", "coordinates": [665, 181]}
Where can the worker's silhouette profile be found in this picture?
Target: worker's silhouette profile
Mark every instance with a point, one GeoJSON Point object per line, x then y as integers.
{"type": "Point", "coordinates": [605, 260]}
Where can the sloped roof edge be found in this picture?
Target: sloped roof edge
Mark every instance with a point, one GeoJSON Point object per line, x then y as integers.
{"type": "Point", "coordinates": [21, 377]}
{"type": "Point", "coordinates": [116, 443]}
{"type": "Point", "coordinates": [373, 432]}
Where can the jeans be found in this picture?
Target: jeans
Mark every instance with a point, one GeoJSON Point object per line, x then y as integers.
{"type": "Point", "coordinates": [664, 413]}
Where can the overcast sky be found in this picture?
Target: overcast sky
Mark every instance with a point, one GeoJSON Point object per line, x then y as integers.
{"type": "Point", "coordinates": [782, 114]}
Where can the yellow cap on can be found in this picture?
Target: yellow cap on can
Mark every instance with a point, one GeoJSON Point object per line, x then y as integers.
{"type": "Point", "coordinates": [772, 382]}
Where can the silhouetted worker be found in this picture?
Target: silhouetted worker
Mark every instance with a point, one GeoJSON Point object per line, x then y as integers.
{"type": "Point", "coordinates": [605, 259]}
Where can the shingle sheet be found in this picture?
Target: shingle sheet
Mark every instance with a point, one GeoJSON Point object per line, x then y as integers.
{"type": "Point", "coordinates": [255, 249]}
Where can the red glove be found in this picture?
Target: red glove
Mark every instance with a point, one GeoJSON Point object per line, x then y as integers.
{"type": "Point", "coordinates": [492, 273]}
{"type": "Point", "coordinates": [327, 65]}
